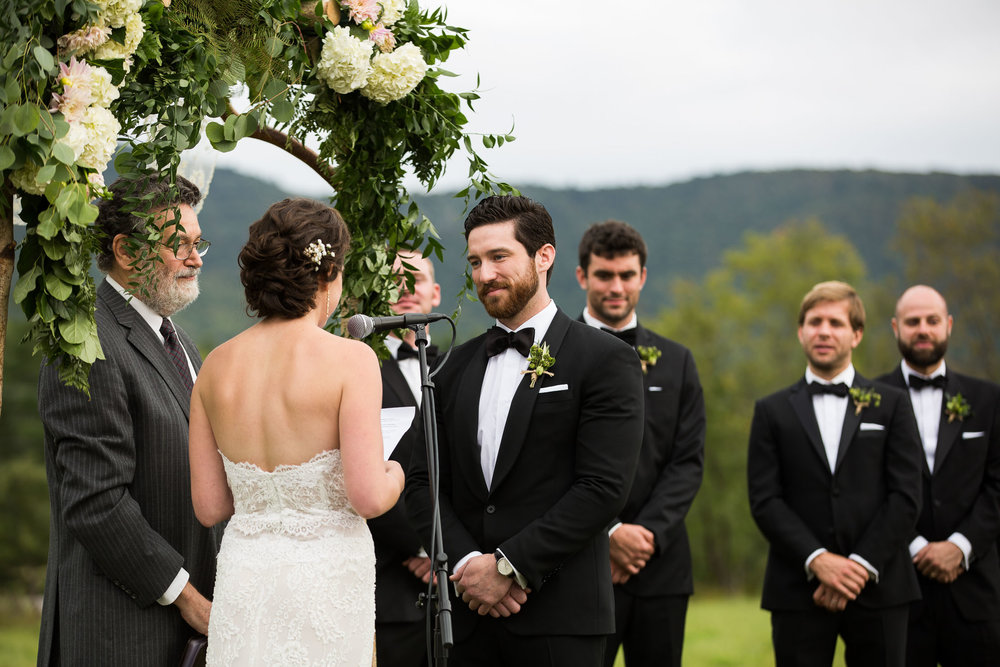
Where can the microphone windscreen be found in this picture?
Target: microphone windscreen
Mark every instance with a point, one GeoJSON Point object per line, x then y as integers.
{"type": "Point", "coordinates": [360, 326]}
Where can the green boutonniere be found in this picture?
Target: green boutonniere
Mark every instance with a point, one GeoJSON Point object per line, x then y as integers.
{"type": "Point", "coordinates": [648, 355]}
{"type": "Point", "coordinates": [539, 361]}
{"type": "Point", "coordinates": [863, 397]}
{"type": "Point", "coordinates": [956, 407]}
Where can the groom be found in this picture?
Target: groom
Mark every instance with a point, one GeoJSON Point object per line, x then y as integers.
{"type": "Point", "coordinates": [535, 458]}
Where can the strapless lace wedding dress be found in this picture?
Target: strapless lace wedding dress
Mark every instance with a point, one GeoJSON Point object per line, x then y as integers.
{"type": "Point", "coordinates": [296, 570]}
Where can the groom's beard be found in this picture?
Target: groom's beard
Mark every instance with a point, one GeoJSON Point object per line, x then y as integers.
{"type": "Point", "coordinates": [519, 292]}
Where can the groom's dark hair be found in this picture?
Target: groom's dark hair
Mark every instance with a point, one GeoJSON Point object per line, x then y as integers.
{"type": "Point", "coordinates": [532, 223]}
{"type": "Point", "coordinates": [610, 239]}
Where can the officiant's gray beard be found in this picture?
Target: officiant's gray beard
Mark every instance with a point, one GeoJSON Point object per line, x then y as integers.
{"type": "Point", "coordinates": [168, 295]}
{"type": "Point", "coordinates": [520, 291]}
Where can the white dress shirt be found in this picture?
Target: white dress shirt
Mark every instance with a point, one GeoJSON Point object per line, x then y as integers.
{"type": "Point", "coordinates": [410, 367]}
{"type": "Point", "coordinates": [830, 410]}
{"type": "Point", "coordinates": [927, 405]}
{"type": "Point", "coordinates": [154, 320]}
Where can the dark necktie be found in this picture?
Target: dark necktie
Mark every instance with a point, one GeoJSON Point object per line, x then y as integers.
{"type": "Point", "coordinates": [406, 352]}
{"type": "Point", "coordinates": [917, 383]}
{"type": "Point", "coordinates": [627, 335]}
{"type": "Point", "coordinates": [839, 389]}
{"type": "Point", "coordinates": [498, 340]}
{"type": "Point", "coordinates": [176, 354]}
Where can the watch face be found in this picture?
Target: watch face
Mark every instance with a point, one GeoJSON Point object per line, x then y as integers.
{"type": "Point", "coordinates": [504, 567]}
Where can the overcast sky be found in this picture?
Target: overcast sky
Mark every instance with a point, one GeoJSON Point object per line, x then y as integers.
{"type": "Point", "coordinates": [653, 92]}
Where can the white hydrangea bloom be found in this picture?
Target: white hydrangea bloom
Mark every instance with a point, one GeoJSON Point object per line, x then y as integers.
{"type": "Point", "coordinates": [345, 62]}
{"type": "Point", "coordinates": [23, 179]}
{"type": "Point", "coordinates": [101, 88]}
{"type": "Point", "coordinates": [112, 50]}
{"type": "Point", "coordinates": [392, 11]}
{"type": "Point", "coordinates": [395, 74]}
{"type": "Point", "coordinates": [101, 137]}
{"type": "Point", "coordinates": [116, 12]}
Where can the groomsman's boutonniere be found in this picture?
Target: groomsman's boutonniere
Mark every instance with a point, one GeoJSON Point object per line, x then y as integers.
{"type": "Point", "coordinates": [863, 397]}
{"type": "Point", "coordinates": [956, 407]}
{"type": "Point", "coordinates": [648, 355]}
{"type": "Point", "coordinates": [539, 361]}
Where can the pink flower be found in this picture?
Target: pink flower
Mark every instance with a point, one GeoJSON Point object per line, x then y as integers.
{"type": "Point", "coordinates": [84, 39]}
{"type": "Point", "coordinates": [383, 38]}
{"type": "Point", "coordinates": [77, 94]}
{"type": "Point", "coordinates": [362, 10]}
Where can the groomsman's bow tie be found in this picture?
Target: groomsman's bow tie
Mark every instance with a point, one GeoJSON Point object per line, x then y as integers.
{"type": "Point", "coordinates": [498, 340]}
{"type": "Point", "coordinates": [839, 389]}
{"type": "Point", "coordinates": [917, 383]}
{"type": "Point", "coordinates": [627, 335]}
{"type": "Point", "coordinates": [406, 352]}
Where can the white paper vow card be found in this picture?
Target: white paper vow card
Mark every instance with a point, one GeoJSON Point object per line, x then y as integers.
{"type": "Point", "coordinates": [395, 422]}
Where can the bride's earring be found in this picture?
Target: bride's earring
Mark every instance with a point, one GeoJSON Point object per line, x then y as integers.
{"type": "Point", "coordinates": [327, 302]}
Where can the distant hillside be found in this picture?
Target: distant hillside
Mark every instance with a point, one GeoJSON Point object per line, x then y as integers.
{"type": "Point", "coordinates": [686, 226]}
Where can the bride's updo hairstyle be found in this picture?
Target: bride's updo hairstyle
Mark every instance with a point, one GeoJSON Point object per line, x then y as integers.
{"type": "Point", "coordinates": [298, 244]}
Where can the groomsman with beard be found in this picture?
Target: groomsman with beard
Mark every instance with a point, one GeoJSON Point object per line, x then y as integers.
{"type": "Point", "coordinates": [650, 555]}
{"type": "Point", "coordinates": [954, 547]}
{"type": "Point", "coordinates": [834, 479]}
{"type": "Point", "coordinates": [540, 423]}
{"type": "Point", "coordinates": [402, 568]}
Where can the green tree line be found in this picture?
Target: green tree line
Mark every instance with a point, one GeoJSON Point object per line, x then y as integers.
{"type": "Point", "coordinates": [739, 320]}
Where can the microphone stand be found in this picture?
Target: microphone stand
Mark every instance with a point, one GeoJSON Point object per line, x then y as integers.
{"type": "Point", "coordinates": [443, 638]}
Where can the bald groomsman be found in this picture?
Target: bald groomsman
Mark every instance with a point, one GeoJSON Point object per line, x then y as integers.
{"type": "Point", "coordinates": [954, 547]}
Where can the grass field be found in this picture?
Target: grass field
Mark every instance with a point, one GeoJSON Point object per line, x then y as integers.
{"type": "Point", "coordinates": [721, 632]}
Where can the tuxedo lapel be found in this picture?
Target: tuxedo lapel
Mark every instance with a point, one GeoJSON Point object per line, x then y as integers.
{"type": "Point", "coordinates": [467, 421]}
{"type": "Point", "coordinates": [394, 380]}
{"type": "Point", "coordinates": [896, 379]}
{"type": "Point", "coordinates": [852, 420]}
{"type": "Point", "coordinates": [145, 342]}
{"type": "Point", "coordinates": [523, 404]}
{"type": "Point", "coordinates": [802, 405]}
{"type": "Point", "coordinates": [949, 431]}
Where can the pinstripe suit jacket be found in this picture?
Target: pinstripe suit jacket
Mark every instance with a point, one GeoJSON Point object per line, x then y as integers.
{"type": "Point", "coordinates": [122, 524]}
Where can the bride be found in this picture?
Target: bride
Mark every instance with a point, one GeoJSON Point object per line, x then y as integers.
{"type": "Point", "coordinates": [285, 443]}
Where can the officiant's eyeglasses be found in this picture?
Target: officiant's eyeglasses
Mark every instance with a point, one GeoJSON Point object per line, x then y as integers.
{"type": "Point", "coordinates": [184, 250]}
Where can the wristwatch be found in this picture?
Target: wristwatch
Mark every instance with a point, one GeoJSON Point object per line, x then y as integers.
{"type": "Point", "coordinates": [503, 565]}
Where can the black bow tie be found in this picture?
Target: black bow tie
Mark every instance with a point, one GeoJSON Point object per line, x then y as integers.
{"type": "Point", "coordinates": [406, 352]}
{"type": "Point", "coordinates": [839, 389]}
{"type": "Point", "coordinates": [498, 340]}
{"type": "Point", "coordinates": [627, 335]}
{"type": "Point", "coordinates": [917, 383]}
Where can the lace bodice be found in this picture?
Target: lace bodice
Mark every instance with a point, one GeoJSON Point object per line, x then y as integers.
{"type": "Point", "coordinates": [297, 500]}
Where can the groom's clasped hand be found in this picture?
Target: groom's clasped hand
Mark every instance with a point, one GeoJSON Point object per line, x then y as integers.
{"type": "Point", "coordinates": [485, 590]}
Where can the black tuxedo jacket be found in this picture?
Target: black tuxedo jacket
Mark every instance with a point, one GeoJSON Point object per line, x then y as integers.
{"type": "Point", "coordinates": [963, 492]}
{"type": "Point", "coordinates": [670, 466]}
{"type": "Point", "coordinates": [566, 461]}
{"type": "Point", "coordinates": [867, 506]}
{"type": "Point", "coordinates": [396, 589]}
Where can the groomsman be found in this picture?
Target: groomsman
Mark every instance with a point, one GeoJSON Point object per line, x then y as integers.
{"type": "Point", "coordinates": [130, 569]}
{"type": "Point", "coordinates": [954, 546]}
{"type": "Point", "coordinates": [540, 423]}
{"type": "Point", "coordinates": [650, 554]}
{"type": "Point", "coordinates": [402, 568]}
{"type": "Point", "coordinates": [834, 480]}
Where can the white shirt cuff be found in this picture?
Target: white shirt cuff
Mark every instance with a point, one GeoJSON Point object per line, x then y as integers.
{"type": "Point", "coordinates": [422, 554]}
{"type": "Point", "coordinates": [868, 566]}
{"type": "Point", "coordinates": [809, 560]}
{"type": "Point", "coordinates": [963, 543]}
{"type": "Point", "coordinates": [175, 588]}
{"type": "Point", "coordinates": [918, 543]}
{"type": "Point", "coordinates": [612, 529]}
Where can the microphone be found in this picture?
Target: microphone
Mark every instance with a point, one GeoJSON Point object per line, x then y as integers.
{"type": "Point", "coordinates": [361, 326]}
